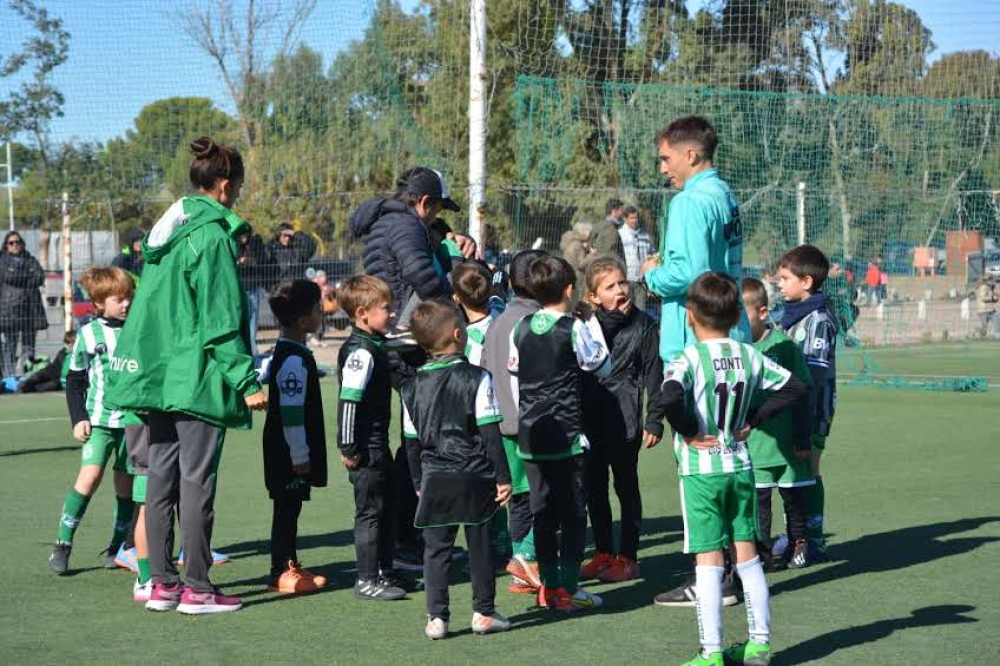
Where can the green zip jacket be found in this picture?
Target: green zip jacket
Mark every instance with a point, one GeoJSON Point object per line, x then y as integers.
{"type": "Point", "coordinates": [185, 343]}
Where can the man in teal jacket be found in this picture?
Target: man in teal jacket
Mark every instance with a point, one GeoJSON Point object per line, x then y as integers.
{"type": "Point", "coordinates": [704, 232]}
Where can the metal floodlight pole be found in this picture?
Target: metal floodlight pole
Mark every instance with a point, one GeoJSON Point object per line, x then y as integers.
{"type": "Point", "coordinates": [477, 119]}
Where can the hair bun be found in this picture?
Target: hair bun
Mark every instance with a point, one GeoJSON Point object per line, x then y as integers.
{"type": "Point", "coordinates": [204, 148]}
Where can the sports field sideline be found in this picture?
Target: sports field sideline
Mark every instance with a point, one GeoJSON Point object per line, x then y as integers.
{"type": "Point", "coordinates": [913, 512]}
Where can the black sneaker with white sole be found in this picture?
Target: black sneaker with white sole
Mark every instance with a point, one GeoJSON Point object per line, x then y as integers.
{"type": "Point", "coordinates": [403, 582]}
{"type": "Point", "coordinates": [686, 595]}
{"type": "Point", "coordinates": [377, 589]}
{"type": "Point", "coordinates": [59, 559]}
{"type": "Point", "coordinates": [799, 555]}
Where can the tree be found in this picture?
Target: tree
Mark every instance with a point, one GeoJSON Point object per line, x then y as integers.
{"type": "Point", "coordinates": [154, 155]}
{"type": "Point", "coordinates": [239, 44]}
{"type": "Point", "coordinates": [36, 102]}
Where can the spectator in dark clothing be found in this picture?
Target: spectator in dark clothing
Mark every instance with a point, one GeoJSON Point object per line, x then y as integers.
{"type": "Point", "coordinates": [22, 314]}
{"type": "Point", "coordinates": [291, 251]}
{"type": "Point", "coordinates": [604, 238]}
{"type": "Point", "coordinates": [258, 272]}
{"type": "Point", "coordinates": [130, 258]}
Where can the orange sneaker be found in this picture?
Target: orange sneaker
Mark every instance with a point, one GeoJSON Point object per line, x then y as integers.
{"type": "Point", "coordinates": [548, 597]}
{"type": "Point", "coordinates": [598, 563]}
{"type": "Point", "coordinates": [519, 567]}
{"type": "Point", "coordinates": [296, 580]}
{"type": "Point", "coordinates": [620, 570]}
{"type": "Point", "coordinates": [518, 586]}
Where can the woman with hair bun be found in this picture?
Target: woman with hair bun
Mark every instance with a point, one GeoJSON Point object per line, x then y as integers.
{"type": "Point", "coordinates": [183, 362]}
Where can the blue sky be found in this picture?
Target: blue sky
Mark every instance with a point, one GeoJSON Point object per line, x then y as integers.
{"type": "Point", "coordinates": [125, 54]}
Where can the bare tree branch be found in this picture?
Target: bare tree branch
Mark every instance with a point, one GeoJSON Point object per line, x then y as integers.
{"type": "Point", "coordinates": [238, 44]}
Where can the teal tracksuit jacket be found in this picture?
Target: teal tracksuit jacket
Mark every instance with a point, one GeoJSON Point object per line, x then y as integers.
{"type": "Point", "coordinates": [704, 233]}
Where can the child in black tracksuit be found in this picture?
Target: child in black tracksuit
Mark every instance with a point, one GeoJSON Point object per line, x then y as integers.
{"type": "Point", "coordinates": [294, 434]}
{"type": "Point", "coordinates": [364, 413]}
{"type": "Point", "coordinates": [458, 463]}
{"type": "Point", "coordinates": [613, 418]}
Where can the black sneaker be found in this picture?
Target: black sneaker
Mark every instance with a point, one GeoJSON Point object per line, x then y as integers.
{"type": "Point", "coordinates": [405, 560]}
{"type": "Point", "coordinates": [799, 556]}
{"type": "Point", "coordinates": [817, 552]}
{"type": "Point", "coordinates": [405, 583]}
{"type": "Point", "coordinates": [377, 589]}
{"type": "Point", "coordinates": [59, 559]}
{"type": "Point", "coordinates": [686, 596]}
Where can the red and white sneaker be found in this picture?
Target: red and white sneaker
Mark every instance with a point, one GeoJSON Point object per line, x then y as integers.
{"type": "Point", "coordinates": [142, 591]}
{"type": "Point", "coordinates": [202, 603]}
{"type": "Point", "coordinates": [164, 597]}
{"type": "Point", "coordinates": [518, 586]}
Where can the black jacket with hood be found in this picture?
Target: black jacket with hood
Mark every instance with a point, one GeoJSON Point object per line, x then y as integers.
{"type": "Point", "coordinates": [613, 405]}
{"type": "Point", "coordinates": [398, 251]}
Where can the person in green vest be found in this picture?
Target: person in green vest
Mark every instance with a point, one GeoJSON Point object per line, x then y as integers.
{"type": "Point", "coordinates": [183, 362]}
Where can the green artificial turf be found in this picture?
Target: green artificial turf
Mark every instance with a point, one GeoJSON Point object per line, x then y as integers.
{"type": "Point", "coordinates": [913, 509]}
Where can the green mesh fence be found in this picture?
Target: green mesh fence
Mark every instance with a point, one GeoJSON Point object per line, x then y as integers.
{"type": "Point", "coordinates": [895, 142]}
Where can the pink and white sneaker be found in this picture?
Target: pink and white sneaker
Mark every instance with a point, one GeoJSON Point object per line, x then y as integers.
{"type": "Point", "coordinates": [213, 601]}
{"type": "Point", "coordinates": [164, 597]}
{"type": "Point", "coordinates": [142, 591]}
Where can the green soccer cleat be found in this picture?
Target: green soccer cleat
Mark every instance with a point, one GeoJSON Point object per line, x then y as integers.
{"type": "Point", "coordinates": [700, 659]}
{"type": "Point", "coordinates": [748, 654]}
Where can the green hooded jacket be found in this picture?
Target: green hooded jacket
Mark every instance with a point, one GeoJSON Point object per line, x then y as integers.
{"type": "Point", "coordinates": [185, 343]}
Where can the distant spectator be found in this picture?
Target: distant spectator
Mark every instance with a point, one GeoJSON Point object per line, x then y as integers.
{"type": "Point", "coordinates": [575, 245]}
{"type": "Point", "coordinates": [328, 306]}
{"type": "Point", "coordinates": [257, 271]}
{"type": "Point", "coordinates": [883, 284]}
{"type": "Point", "coordinates": [22, 314]}
{"type": "Point", "coordinates": [491, 246]}
{"type": "Point", "coordinates": [840, 296]}
{"type": "Point", "coordinates": [604, 238]}
{"type": "Point", "coordinates": [873, 279]}
{"type": "Point", "coordinates": [986, 304]}
{"type": "Point", "coordinates": [291, 251]}
{"type": "Point", "coordinates": [635, 245]}
{"type": "Point", "coordinates": [130, 258]}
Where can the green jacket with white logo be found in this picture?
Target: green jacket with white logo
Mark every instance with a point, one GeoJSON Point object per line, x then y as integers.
{"type": "Point", "coordinates": [185, 344]}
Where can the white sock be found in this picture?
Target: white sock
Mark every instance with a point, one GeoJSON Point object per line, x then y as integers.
{"type": "Point", "coordinates": [708, 585]}
{"type": "Point", "coordinates": [758, 600]}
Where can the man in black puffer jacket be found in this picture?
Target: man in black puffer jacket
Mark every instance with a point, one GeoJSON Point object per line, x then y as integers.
{"type": "Point", "coordinates": [399, 251]}
{"type": "Point", "coordinates": [397, 241]}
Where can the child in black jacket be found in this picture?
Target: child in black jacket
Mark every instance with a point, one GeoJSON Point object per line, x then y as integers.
{"type": "Point", "coordinates": [613, 418]}
{"type": "Point", "coordinates": [458, 463]}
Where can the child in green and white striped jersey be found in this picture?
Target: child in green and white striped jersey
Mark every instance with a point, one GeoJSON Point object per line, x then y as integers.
{"type": "Point", "coordinates": [707, 391]}
{"type": "Point", "coordinates": [101, 430]}
{"type": "Point", "coordinates": [473, 286]}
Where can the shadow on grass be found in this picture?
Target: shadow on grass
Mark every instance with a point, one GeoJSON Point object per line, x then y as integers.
{"type": "Point", "coordinates": [304, 543]}
{"type": "Point", "coordinates": [820, 647]}
{"type": "Point", "coordinates": [49, 449]}
{"type": "Point", "coordinates": [888, 551]}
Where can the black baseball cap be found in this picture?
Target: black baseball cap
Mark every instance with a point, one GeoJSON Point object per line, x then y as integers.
{"type": "Point", "coordinates": [427, 182]}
